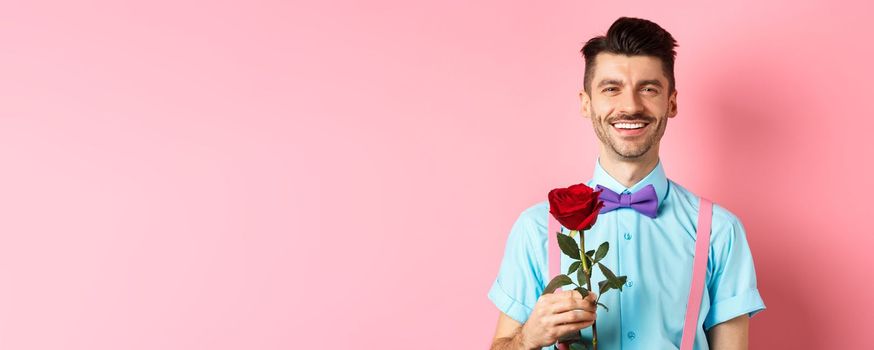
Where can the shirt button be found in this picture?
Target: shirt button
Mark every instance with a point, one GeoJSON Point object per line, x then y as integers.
{"type": "Point", "coordinates": [631, 335]}
{"type": "Point", "coordinates": [627, 236]}
{"type": "Point", "coordinates": [629, 283]}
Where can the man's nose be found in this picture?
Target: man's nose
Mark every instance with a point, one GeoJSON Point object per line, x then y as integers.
{"type": "Point", "coordinates": [630, 103]}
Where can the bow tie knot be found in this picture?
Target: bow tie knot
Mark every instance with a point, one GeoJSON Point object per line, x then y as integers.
{"type": "Point", "coordinates": [644, 201]}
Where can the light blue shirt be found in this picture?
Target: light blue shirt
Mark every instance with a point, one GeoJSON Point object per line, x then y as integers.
{"type": "Point", "coordinates": [656, 255]}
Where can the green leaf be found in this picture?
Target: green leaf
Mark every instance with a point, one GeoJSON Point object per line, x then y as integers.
{"type": "Point", "coordinates": [607, 273]}
{"type": "Point", "coordinates": [603, 287]}
{"type": "Point", "coordinates": [581, 276]}
{"type": "Point", "coordinates": [568, 245]}
{"type": "Point", "coordinates": [619, 282]}
{"type": "Point", "coordinates": [589, 256]}
{"type": "Point", "coordinates": [583, 291]}
{"type": "Point", "coordinates": [613, 281]}
{"type": "Point", "coordinates": [602, 251]}
{"type": "Point", "coordinates": [574, 266]}
{"type": "Point", "coordinates": [557, 281]}
{"type": "Point", "coordinates": [604, 306]}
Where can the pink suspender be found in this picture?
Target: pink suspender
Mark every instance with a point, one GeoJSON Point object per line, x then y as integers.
{"type": "Point", "coordinates": [699, 268]}
{"type": "Point", "coordinates": [554, 256]}
{"type": "Point", "coordinates": [699, 272]}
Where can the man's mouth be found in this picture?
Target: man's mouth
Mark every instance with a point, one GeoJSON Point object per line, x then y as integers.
{"type": "Point", "coordinates": [626, 128]}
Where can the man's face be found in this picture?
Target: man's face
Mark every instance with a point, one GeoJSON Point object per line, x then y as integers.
{"type": "Point", "coordinates": [629, 104]}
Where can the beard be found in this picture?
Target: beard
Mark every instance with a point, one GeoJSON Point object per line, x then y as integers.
{"type": "Point", "coordinates": [630, 149]}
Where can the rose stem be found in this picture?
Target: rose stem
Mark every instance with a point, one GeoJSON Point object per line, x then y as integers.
{"type": "Point", "coordinates": [589, 287]}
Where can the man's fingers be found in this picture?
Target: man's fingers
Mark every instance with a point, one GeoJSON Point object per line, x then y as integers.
{"type": "Point", "coordinates": [573, 316]}
{"type": "Point", "coordinates": [574, 294]}
{"type": "Point", "coordinates": [566, 300]}
{"type": "Point", "coordinates": [572, 327]}
{"type": "Point", "coordinates": [557, 296]}
{"type": "Point", "coordinates": [570, 304]}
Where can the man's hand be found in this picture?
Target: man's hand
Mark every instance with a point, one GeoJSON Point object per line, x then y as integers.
{"type": "Point", "coordinates": [556, 315]}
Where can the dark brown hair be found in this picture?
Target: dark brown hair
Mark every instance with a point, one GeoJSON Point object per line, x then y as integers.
{"type": "Point", "coordinates": [632, 36]}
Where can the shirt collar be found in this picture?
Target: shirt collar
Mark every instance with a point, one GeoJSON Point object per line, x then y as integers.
{"type": "Point", "coordinates": [656, 178]}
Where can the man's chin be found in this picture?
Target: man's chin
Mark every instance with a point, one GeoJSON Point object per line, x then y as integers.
{"type": "Point", "coordinates": [632, 153]}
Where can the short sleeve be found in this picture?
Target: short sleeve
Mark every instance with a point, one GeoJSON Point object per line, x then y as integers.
{"type": "Point", "coordinates": [519, 281]}
{"type": "Point", "coordinates": [732, 283]}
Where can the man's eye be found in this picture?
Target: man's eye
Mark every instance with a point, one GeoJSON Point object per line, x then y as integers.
{"type": "Point", "coordinates": [650, 90]}
{"type": "Point", "coordinates": [610, 89]}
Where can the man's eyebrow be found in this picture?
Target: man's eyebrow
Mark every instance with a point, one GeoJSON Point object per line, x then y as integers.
{"type": "Point", "coordinates": [655, 82]}
{"type": "Point", "coordinates": [650, 82]}
{"type": "Point", "coordinates": [610, 82]}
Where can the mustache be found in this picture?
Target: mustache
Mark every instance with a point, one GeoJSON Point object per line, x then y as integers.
{"type": "Point", "coordinates": [632, 119]}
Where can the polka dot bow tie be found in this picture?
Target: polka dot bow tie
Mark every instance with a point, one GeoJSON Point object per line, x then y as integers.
{"type": "Point", "coordinates": [645, 201]}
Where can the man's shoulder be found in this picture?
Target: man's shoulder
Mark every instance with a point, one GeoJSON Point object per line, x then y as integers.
{"type": "Point", "coordinates": [537, 208]}
{"type": "Point", "coordinates": [531, 226]}
{"type": "Point", "coordinates": [723, 221]}
{"type": "Point", "coordinates": [535, 216]}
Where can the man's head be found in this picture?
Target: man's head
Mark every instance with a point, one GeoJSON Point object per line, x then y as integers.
{"type": "Point", "coordinates": [630, 77]}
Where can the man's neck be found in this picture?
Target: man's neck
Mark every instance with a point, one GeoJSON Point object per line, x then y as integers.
{"type": "Point", "coordinates": [628, 171]}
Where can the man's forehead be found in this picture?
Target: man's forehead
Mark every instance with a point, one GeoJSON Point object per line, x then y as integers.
{"type": "Point", "coordinates": [622, 68]}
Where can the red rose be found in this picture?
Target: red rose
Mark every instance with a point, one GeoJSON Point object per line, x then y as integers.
{"type": "Point", "coordinates": [576, 207]}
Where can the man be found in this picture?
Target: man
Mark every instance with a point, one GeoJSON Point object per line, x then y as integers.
{"type": "Point", "coordinates": [629, 94]}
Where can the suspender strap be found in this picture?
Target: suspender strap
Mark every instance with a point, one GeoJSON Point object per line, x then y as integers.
{"type": "Point", "coordinates": [553, 250]}
{"type": "Point", "coordinates": [699, 272]}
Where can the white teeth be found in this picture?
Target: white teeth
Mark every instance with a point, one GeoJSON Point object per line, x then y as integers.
{"type": "Point", "coordinates": [629, 125]}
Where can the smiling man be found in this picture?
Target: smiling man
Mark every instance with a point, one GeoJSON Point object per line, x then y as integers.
{"type": "Point", "coordinates": [629, 95]}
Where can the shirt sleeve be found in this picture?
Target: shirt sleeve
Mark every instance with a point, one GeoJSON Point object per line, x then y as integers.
{"type": "Point", "coordinates": [732, 283]}
{"type": "Point", "coordinates": [519, 281]}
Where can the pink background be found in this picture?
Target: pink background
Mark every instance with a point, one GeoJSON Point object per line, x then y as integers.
{"type": "Point", "coordinates": [273, 175]}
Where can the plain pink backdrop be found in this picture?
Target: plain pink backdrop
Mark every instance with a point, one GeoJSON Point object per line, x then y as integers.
{"type": "Point", "coordinates": [274, 175]}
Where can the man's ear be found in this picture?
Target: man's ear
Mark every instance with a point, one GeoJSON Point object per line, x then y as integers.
{"type": "Point", "coordinates": [672, 104]}
{"type": "Point", "coordinates": [585, 104]}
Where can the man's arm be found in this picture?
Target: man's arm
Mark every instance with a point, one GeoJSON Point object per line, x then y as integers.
{"type": "Point", "coordinates": [508, 336]}
{"type": "Point", "coordinates": [730, 335]}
